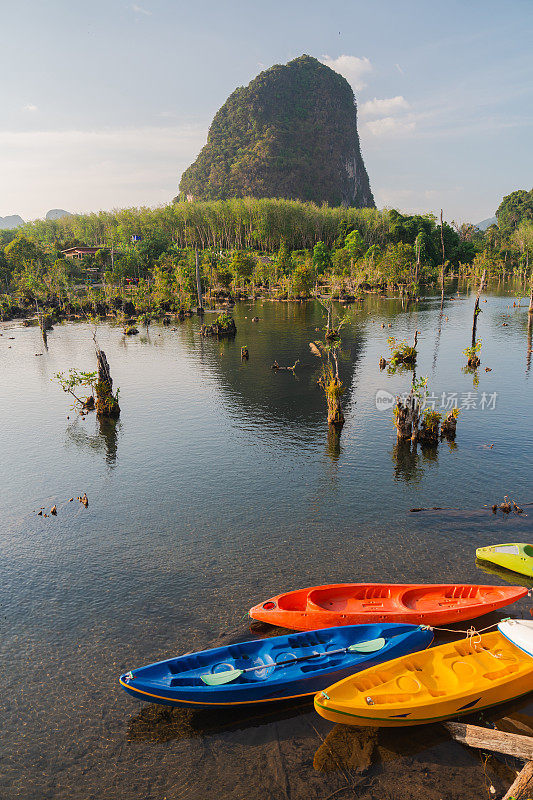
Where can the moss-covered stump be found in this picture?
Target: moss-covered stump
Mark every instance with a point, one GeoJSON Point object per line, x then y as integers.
{"type": "Point", "coordinates": [106, 402]}
{"type": "Point", "coordinates": [429, 427]}
{"type": "Point", "coordinates": [449, 425]}
{"type": "Point", "coordinates": [333, 389]}
{"type": "Point", "coordinates": [406, 415]}
{"type": "Point", "coordinates": [224, 325]}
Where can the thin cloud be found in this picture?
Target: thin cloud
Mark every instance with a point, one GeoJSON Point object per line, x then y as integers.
{"type": "Point", "coordinates": [139, 10]}
{"type": "Point", "coordinates": [390, 125]}
{"type": "Point", "coordinates": [29, 107]}
{"type": "Point", "coordinates": [352, 68]}
{"type": "Point", "coordinates": [387, 106]}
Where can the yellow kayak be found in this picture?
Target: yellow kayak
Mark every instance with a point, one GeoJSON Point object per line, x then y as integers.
{"type": "Point", "coordinates": [437, 684]}
{"type": "Point", "coordinates": [516, 556]}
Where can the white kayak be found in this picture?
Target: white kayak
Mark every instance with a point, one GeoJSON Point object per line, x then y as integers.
{"type": "Point", "coordinates": [519, 632]}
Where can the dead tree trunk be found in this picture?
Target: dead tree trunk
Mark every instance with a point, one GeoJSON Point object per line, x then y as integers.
{"type": "Point", "coordinates": [476, 308]}
{"type": "Point", "coordinates": [474, 360]}
{"type": "Point", "coordinates": [406, 418]}
{"type": "Point", "coordinates": [443, 261]}
{"type": "Point", "coordinates": [449, 426]}
{"type": "Point", "coordinates": [333, 389]}
{"type": "Point", "coordinates": [106, 402]}
{"type": "Point", "coordinates": [530, 309]}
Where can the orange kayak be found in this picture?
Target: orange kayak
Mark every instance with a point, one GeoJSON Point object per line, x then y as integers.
{"type": "Point", "coordinates": [360, 603]}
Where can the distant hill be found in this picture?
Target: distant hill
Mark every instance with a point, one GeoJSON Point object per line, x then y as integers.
{"type": "Point", "coordinates": [486, 223]}
{"type": "Point", "coordinates": [14, 221]}
{"type": "Point", "coordinates": [57, 213]}
{"type": "Point", "coordinates": [291, 133]}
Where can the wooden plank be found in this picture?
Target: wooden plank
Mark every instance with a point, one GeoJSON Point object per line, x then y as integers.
{"type": "Point", "coordinates": [516, 723]}
{"type": "Point", "coordinates": [510, 744]}
{"type": "Point", "coordinates": [522, 788]}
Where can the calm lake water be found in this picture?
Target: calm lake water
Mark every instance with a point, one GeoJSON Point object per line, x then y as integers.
{"type": "Point", "coordinates": [217, 488]}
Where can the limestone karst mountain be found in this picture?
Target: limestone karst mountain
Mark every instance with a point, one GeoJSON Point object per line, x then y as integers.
{"type": "Point", "coordinates": [291, 133]}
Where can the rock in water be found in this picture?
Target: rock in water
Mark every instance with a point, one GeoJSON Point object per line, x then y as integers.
{"type": "Point", "coordinates": [291, 133]}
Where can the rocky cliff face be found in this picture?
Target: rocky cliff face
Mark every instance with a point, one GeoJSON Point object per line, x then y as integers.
{"type": "Point", "coordinates": [292, 133]}
{"type": "Point", "coordinates": [57, 213]}
{"type": "Point", "coordinates": [7, 223]}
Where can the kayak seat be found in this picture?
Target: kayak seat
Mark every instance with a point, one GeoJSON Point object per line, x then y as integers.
{"type": "Point", "coordinates": [192, 680]}
{"type": "Point", "coordinates": [500, 673]}
{"type": "Point", "coordinates": [346, 601]}
{"type": "Point", "coordinates": [293, 601]}
{"type": "Point", "coordinates": [528, 550]}
{"type": "Point", "coordinates": [420, 598]}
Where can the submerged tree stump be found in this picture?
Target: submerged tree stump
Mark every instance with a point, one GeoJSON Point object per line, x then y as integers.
{"type": "Point", "coordinates": [106, 402]}
{"type": "Point", "coordinates": [449, 425]}
{"type": "Point", "coordinates": [406, 416]}
{"type": "Point", "coordinates": [429, 428]}
{"type": "Point", "coordinates": [333, 389]}
{"type": "Point", "coordinates": [224, 325]}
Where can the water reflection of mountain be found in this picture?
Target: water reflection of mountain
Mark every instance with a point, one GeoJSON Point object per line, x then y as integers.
{"type": "Point", "coordinates": [282, 334]}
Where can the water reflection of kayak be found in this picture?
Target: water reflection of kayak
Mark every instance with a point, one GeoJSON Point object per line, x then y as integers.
{"type": "Point", "coordinates": [504, 574]}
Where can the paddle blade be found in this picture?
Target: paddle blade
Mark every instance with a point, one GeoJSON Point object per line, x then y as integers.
{"type": "Point", "coordinates": [219, 678]}
{"type": "Point", "coordinates": [371, 646]}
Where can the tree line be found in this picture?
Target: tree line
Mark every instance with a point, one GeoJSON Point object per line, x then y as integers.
{"type": "Point", "coordinates": [284, 247]}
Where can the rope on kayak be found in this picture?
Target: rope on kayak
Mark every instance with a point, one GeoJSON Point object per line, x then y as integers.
{"type": "Point", "coordinates": [470, 632]}
{"type": "Point", "coordinates": [473, 635]}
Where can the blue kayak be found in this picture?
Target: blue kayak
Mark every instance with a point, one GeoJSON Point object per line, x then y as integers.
{"type": "Point", "coordinates": [268, 670]}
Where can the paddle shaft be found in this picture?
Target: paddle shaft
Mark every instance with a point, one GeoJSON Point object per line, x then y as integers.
{"type": "Point", "coordinates": [294, 660]}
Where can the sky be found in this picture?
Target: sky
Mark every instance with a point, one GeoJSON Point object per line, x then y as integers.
{"type": "Point", "coordinates": [104, 104]}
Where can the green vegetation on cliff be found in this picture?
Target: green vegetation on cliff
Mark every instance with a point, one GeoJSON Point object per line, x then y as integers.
{"type": "Point", "coordinates": [514, 209]}
{"type": "Point", "coordinates": [291, 133]}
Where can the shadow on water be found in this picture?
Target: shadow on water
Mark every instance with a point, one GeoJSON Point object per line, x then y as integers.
{"type": "Point", "coordinates": [414, 756]}
{"type": "Point", "coordinates": [159, 724]}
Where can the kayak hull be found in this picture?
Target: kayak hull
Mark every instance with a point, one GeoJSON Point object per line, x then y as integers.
{"type": "Point", "coordinates": [445, 682]}
{"type": "Point", "coordinates": [514, 556]}
{"type": "Point", "coordinates": [178, 681]}
{"type": "Point", "coordinates": [519, 632]}
{"type": "Point", "coordinates": [359, 603]}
